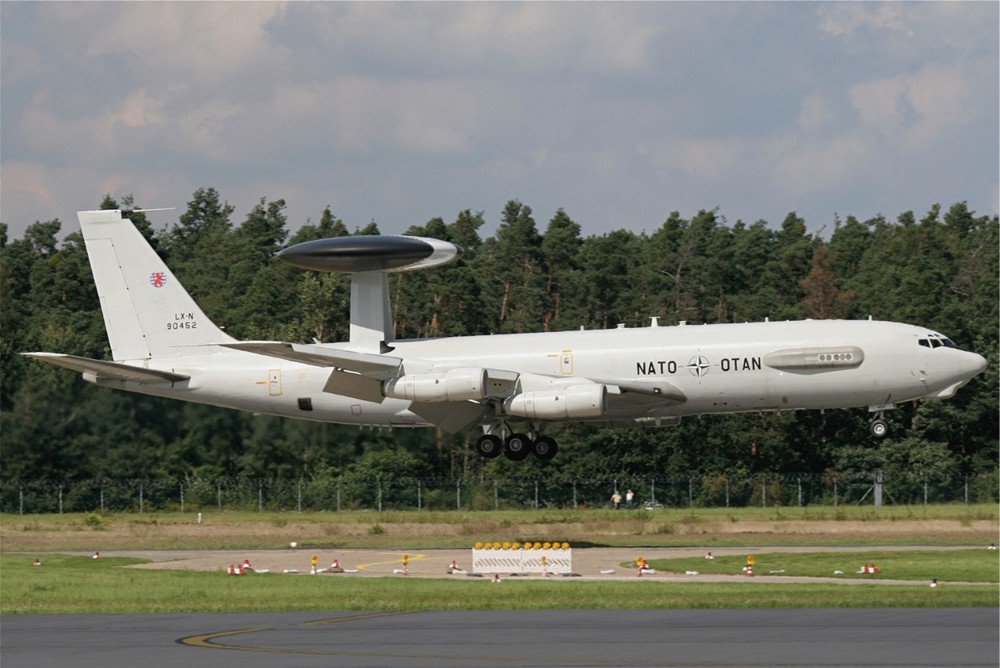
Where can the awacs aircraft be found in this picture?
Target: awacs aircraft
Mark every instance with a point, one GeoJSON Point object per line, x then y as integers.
{"type": "Point", "coordinates": [510, 386]}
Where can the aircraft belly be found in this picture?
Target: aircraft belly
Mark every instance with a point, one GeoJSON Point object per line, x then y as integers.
{"type": "Point", "coordinates": [772, 390]}
{"type": "Point", "coordinates": [732, 397]}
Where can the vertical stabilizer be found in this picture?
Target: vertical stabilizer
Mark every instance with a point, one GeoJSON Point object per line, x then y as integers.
{"type": "Point", "coordinates": [147, 312]}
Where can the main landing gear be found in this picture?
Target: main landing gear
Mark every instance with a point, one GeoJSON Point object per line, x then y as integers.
{"type": "Point", "coordinates": [516, 447]}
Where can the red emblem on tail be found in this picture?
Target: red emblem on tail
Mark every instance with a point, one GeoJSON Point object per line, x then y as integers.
{"type": "Point", "coordinates": [157, 279]}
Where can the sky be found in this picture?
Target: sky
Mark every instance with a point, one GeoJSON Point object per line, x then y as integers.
{"type": "Point", "coordinates": [618, 113]}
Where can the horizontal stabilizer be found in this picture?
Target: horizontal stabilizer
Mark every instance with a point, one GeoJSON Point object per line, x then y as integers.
{"type": "Point", "coordinates": [103, 369]}
{"type": "Point", "coordinates": [366, 364]}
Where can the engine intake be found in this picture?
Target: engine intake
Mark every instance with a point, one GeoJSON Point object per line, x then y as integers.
{"type": "Point", "coordinates": [576, 401]}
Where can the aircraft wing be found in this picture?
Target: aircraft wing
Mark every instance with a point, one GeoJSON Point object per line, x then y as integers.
{"type": "Point", "coordinates": [381, 367]}
{"type": "Point", "coordinates": [103, 369]}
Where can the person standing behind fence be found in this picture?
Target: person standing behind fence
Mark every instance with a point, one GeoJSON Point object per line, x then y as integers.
{"type": "Point", "coordinates": [616, 500]}
{"type": "Point", "coordinates": [629, 498]}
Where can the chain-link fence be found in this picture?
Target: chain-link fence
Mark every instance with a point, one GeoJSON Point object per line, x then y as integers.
{"type": "Point", "coordinates": [351, 493]}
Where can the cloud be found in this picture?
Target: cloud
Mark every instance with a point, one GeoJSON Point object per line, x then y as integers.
{"type": "Point", "coordinates": [530, 39]}
{"type": "Point", "coordinates": [707, 160]}
{"type": "Point", "coordinates": [394, 111]}
{"type": "Point", "coordinates": [126, 125]}
{"type": "Point", "coordinates": [25, 181]}
{"type": "Point", "coordinates": [846, 19]}
{"type": "Point", "coordinates": [803, 169]}
{"type": "Point", "coordinates": [915, 112]}
{"type": "Point", "coordinates": [365, 115]}
{"type": "Point", "coordinates": [192, 42]}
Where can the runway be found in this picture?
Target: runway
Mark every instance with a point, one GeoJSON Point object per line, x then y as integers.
{"type": "Point", "coordinates": [672, 638]}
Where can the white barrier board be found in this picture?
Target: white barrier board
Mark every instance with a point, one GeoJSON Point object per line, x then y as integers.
{"type": "Point", "coordinates": [522, 561]}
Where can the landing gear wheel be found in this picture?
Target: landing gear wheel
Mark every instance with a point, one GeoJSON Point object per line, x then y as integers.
{"type": "Point", "coordinates": [489, 446]}
{"type": "Point", "coordinates": [879, 428]}
{"type": "Point", "coordinates": [544, 448]}
{"type": "Point", "coordinates": [517, 447]}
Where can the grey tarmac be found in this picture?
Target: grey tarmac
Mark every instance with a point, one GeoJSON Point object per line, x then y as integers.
{"type": "Point", "coordinates": [580, 638]}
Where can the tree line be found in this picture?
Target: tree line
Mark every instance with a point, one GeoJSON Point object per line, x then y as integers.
{"type": "Point", "coordinates": [940, 271]}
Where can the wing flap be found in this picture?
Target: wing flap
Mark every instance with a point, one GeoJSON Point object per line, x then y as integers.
{"type": "Point", "coordinates": [103, 369]}
{"type": "Point", "coordinates": [452, 417]}
{"type": "Point", "coordinates": [355, 386]}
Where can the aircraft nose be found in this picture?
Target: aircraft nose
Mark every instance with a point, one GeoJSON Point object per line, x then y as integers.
{"type": "Point", "coordinates": [975, 363]}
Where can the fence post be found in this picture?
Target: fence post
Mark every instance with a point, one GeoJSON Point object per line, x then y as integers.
{"type": "Point", "coordinates": [800, 490]}
{"type": "Point", "coordinates": [574, 495]}
{"type": "Point", "coordinates": [536, 493]}
{"type": "Point", "coordinates": [763, 491]}
{"type": "Point", "coordinates": [260, 496]}
{"type": "Point", "coordinates": [690, 492]}
{"type": "Point", "coordinates": [419, 500]}
{"type": "Point", "coordinates": [338, 495]}
{"type": "Point", "coordinates": [182, 496]}
{"type": "Point", "coordinates": [20, 500]}
{"type": "Point", "coordinates": [727, 491]}
{"type": "Point", "coordinates": [300, 495]}
{"type": "Point", "coordinates": [458, 494]}
{"type": "Point", "coordinates": [218, 490]}
{"type": "Point", "coordinates": [380, 494]}
{"type": "Point", "coordinates": [141, 507]}
{"type": "Point", "coordinates": [102, 497]}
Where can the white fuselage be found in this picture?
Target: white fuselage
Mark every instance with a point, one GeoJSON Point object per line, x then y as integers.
{"type": "Point", "coordinates": [724, 368]}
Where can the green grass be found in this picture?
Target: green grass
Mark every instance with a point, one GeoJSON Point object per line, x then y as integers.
{"type": "Point", "coordinates": [68, 584]}
{"type": "Point", "coordinates": [977, 565]}
{"type": "Point", "coordinates": [955, 524]}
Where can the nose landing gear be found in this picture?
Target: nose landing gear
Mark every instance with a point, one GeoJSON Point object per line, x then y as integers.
{"type": "Point", "coordinates": [879, 427]}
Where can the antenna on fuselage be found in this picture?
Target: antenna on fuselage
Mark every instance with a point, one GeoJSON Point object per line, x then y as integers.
{"type": "Point", "coordinates": [369, 259]}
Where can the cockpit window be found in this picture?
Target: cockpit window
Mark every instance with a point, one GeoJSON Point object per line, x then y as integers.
{"type": "Point", "coordinates": [937, 342]}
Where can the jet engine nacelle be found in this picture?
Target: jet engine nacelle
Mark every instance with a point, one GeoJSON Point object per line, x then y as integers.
{"type": "Point", "coordinates": [464, 384]}
{"type": "Point", "coordinates": [575, 401]}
